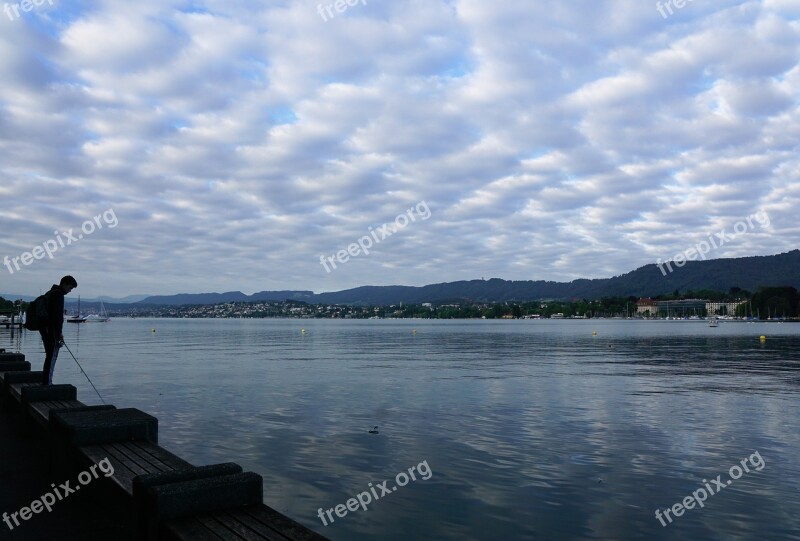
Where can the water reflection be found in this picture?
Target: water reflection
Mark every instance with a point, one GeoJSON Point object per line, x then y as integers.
{"type": "Point", "coordinates": [533, 430]}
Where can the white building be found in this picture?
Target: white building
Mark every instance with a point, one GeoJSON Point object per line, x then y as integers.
{"type": "Point", "coordinates": [723, 308]}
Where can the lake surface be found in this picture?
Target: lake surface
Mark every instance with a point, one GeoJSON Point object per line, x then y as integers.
{"type": "Point", "coordinates": [531, 429]}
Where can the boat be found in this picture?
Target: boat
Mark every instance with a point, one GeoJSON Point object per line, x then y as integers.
{"type": "Point", "coordinates": [713, 322]}
{"type": "Point", "coordinates": [102, 317]}
{"type": "Point", "coordinates": [77, 318]}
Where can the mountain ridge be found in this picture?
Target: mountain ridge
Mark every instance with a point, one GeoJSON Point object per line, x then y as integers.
{"type": "Point", "coordinates": [647, 281]}
{"type": "Point", "coordinates": [746, 273]}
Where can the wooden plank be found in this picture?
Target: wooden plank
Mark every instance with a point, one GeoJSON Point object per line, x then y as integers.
{"type": "Point", "coordinates": [169, 458]}
{"type": "Point", "coordinates": [276, 521]}
{"type": "Point", "coordinates": [16, 389]}
{"type": "Point", "coordinates": [147, 464]}
{"type": "Point", "coordinates": [218, 528]}
{"type": "Point", "coordinates": [66, 404]}
{"type": "Point", "coordinates": [155, 455]}
{"type": "Point", "coordinates": [124, 470]}
{"type": "Point", "coordinates": [247, 527]}
{"type": "Point", "coordinates": [118, 452]}
{"type": "Point", "coordinates": [188, 529]}
{"type": "Point", "coordinates": [130, 459]}
{"type": "Point", "coordinates": [41, 410]}
{"type": "Point", "coordinates": [257, 523]}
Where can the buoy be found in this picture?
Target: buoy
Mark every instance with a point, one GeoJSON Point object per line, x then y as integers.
{"type": "Point", "coordinates": [152, 330]}
{"type": "Point", "coordinates": [763, 338]}
{"type": "Point", "coordinates": [414, 331]}
{"type": "Point", "coordinates": [302, 331]}
{"type": "Point", "coordinates": [594, 333]}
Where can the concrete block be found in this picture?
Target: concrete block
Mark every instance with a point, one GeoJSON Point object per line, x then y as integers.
{"type": "Point", "coordinates": [11, 357]}
{"type": "Point", "coordinates": [79, 409]}
{"type": "Point", "coordinates": [11, 378]}
{"type": "Point", "coordinates": [142, 483]}
{"type": "Point", "coordinates": [63, 458]}
{"type": "Point", "coordinates": [175, 500]}
{"type": "Point", "coordinates": [44, 393]}
{"type": "Point", "coordinates": [104, 426]}
{"type": "Point", "coordinates": [15, 366]}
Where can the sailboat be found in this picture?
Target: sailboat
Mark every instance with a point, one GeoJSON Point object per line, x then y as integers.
{"type": "Point", "coordinates": [77, 318]}
{"type": "Point", "coordinates": [102, 317]}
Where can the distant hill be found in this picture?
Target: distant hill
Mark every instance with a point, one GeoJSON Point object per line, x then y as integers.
{"type": "Point", "coordinates": [230, 296]}
{"type": "Point", "coordinates": [108, 300]}
{"type": "Point", "coordinates": [14, 296]}
{"type": "Point", "coordinates": [123, 300]}
{"type": "Point", "coordinates": [647, 281]}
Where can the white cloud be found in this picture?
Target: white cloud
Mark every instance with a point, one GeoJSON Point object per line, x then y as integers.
{"type": "Point", "coordinates": [238, 141]}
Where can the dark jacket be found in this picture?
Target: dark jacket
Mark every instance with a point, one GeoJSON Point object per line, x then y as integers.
{"type": "Point", "coordinates": [55, 310]}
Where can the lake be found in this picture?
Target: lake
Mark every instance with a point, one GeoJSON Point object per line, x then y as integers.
{"type": "Point", "coordinates": [523, 429]}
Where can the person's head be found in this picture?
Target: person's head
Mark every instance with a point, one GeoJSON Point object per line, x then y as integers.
{"type": "Point", "coordinates": [68, 283]}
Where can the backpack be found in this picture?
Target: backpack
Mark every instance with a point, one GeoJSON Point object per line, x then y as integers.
{"type": "Point", "coordinates": [36, 313]}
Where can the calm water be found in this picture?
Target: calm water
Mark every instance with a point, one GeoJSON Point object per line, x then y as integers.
{"type": "Point", "coordinates": [531, 429]}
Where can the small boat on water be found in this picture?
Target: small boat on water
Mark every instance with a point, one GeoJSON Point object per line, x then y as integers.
{"type": "Point", "coordinates": [713, 322]}
{"type": "Point", "coordinates": [77, 318]}
{"type": "Point", "coordinates": [102, 317]}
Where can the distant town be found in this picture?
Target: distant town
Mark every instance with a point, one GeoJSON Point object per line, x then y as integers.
{"type": "Point", "coordinates": [766, 304]}
{"type": "Point", "coordinates": [772, 303]}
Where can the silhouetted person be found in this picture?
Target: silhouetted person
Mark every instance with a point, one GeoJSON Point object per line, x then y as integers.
{"type": "Point", "coordinates": [52, 329]}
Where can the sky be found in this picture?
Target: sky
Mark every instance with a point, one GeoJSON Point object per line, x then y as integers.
{"type": "Point", "coordinates": [164, 146]}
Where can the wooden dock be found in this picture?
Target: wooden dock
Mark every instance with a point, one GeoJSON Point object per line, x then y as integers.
{"type": "Point", "coordinates": [162, 496]}
{"type": "Point", "coordinates": [10, 318]}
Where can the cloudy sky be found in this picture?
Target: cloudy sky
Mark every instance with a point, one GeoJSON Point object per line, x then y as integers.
{"type": "Point", "coordinates": [231, 143]}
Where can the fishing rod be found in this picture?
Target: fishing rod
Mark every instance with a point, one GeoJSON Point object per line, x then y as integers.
{"type": "Point", "coordinates": [84, 371]}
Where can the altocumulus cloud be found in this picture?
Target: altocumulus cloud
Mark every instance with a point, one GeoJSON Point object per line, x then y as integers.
{"type": "Point", "coordinates": [239, 140]}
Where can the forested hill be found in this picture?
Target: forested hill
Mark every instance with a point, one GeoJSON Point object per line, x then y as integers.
{"type": "Point", "coordinates": [718, 274]}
